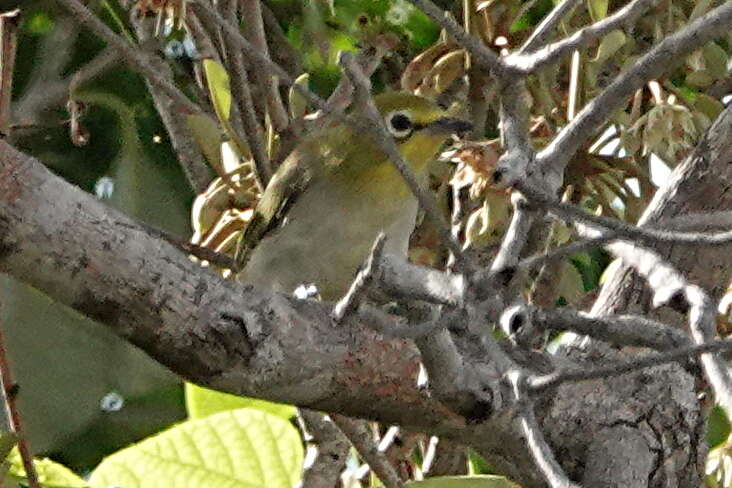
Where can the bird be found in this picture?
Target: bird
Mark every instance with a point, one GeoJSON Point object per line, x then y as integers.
{"type": "Point", "coordinates": [336, 192]}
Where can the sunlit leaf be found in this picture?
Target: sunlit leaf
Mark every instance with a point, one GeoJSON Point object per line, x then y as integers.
{"type": "Point", "coordinates": [202, 402]}
{"type": "Point", "coordinates": [50, 474]}
{"type": "Point", "coordinates": [718, 427]}
{"type": "Point", "coordinates": [570, 285]}
{"type": "Point", "coordinates": [297, 103]}
{"type": "Point", "coordinates": [235, 449]}
{"type": "Point", "coordinates": [219, 87]}
{"type": "Point", "coordinates": [597, 8]}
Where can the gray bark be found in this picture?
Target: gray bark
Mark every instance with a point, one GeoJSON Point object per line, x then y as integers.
{"type": "Point", "coordinates": [644, 429]}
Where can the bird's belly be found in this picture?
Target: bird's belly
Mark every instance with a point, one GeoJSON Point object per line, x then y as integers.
{"type": "Point", "coordinates": [327, 254]}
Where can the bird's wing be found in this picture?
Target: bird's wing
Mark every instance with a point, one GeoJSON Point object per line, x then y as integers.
{"type": "Point", "coordinates": [326, 148]}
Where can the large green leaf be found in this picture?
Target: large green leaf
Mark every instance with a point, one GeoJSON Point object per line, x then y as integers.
{"type": "Point", "coordinates": [235, 449]}
{"type": "Point", "coordinates": [50, 474]}
{"type": "Point", "coordinates": [202, 402]}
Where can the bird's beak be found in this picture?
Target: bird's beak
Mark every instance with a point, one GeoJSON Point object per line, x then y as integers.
{"type": "Point", "coordinates": [450, 125]}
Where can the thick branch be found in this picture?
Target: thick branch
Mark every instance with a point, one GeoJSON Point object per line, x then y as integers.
{"type": "Point", "coordinates": [209, 330]}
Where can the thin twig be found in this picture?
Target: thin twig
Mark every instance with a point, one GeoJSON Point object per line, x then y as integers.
{"type": "Point", "coordinates": [620, 330]}
{"type": "Point", "coordinates": [540, 384]}
{"type": "Point", "coordinates": [10, 390]}
{"type": "Point", "coordinates": [209, 15]}
{"type": "Point", "coordinates": [541, 33]}
{"type": "Point", "coordinates": [479, 51]}
{"type": "Point", "coordinates": [358, 433]}
{"type": "Point", "coordinates": [132, 56]}
{"type": "Point", "coordinates": [662, 57]}
{"type": "Point", "coordinates": [528, 63]}
{"type": "Point", "coordinates": [322, 467]}
{"type": "Point", "coordinates": [242, 87]}
{"type": "Point", "coordinates": [9, 24]}
{"type": "Point", "coordinates": [252, 15]}
{"type": "Point", "coordinates": [516, 235]}
{"type": "Point", "coordinates": [361, 283]}
{"type": "Point", "coordinates": [623, 230]}
{"type": "Point", "coordinates": [341, 97]}
{"type": "Point", "coordinates": [101, 63]}
{"type": "Point", "coordinates": [671, 288]}
{"type": "Point", "coordinates": [189, 155]}
{"type": "Point", "coordinates": [46, 89]}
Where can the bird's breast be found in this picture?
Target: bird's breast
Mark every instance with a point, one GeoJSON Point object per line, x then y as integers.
{"type": "Point", "coordinates": [328, 249]}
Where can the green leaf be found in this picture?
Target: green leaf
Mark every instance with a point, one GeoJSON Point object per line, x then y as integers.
{"type": "Point", "coordinates": [701, 78]}
{"type": "Point", "coordinates": [219, 87]}
{"type": "Point", "coordinates": [597, 9]}
{"type": "Point", "coordinates": [609, 45]}
{"type": "Point", "coordinates": [715, 60]}
{"type": "Point", "coordinates": [50, 473]}
{"type": "Point", "coordinates": [207, 135]}
{"type": "Point", "coordinates": [475, 481]}
{"type": "Point", "coordinates": [39, 24]}
{"type": "Point", "coordinates": [477, 465]}
{"type": "Point", "coordinates": [718, 427]}
{"type": "Point", "coordinates": [235, 449]}
{"type": "Point", "coordinates": [570, 285]}
{"type": "Point", "coordinates": [202, 402]}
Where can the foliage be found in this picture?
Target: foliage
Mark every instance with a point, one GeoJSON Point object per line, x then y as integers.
{"type": "Point", "coordinates": [129, 160]}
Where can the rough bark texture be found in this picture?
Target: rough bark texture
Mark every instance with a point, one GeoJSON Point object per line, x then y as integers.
{"type": "Point", "coordinates": [643, 429]}
{"type": "Point", "coordinates": [656, 405]}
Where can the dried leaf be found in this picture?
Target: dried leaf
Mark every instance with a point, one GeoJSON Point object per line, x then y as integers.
{"type": "Point", "coordinates": [297, 103]}
{"type": "Point", "coordinates": [415, 73]}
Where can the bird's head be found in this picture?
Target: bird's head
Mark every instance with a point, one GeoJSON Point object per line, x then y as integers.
{"type": "Point", "coordinates": [418, 125]}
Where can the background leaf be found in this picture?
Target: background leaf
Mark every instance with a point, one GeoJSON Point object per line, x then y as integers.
{"type": "Point", "coordinates": [202, 402]}
{"type": "Point", "coordinates": [235, 449]}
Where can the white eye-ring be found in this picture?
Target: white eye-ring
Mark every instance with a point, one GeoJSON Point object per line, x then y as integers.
{"type": "Point", "coordinates": [399, 124]}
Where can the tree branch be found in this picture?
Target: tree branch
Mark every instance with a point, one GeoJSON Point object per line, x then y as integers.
{"type": "Point", "coordinates": [207, 329]}
{"type": "Point", "coordinates": [529, 63]}
{"type": "Point", "coordinates": [358, 433]}
{"type": "Point", "coordinates": [322, 467]}
{"type": "Point", "coordinates": [541, 33]}
{"type": "Point", "coordinates": [668, 53]}
{"type": "Point", "coordinates": [479, 51]}
{"type": "Point", "coordinates": [135, 58]}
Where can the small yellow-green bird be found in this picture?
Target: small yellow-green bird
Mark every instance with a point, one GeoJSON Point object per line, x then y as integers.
{"type": "Point", "coordinates": [327, 203]}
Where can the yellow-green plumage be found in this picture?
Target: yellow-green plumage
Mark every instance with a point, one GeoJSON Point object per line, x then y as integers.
{"type": "Point", "coordinates": [323, 208]}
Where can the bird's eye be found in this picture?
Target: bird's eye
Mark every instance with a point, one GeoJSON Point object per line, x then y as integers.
{"type": "Point", "coordinates": [399, 124]}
